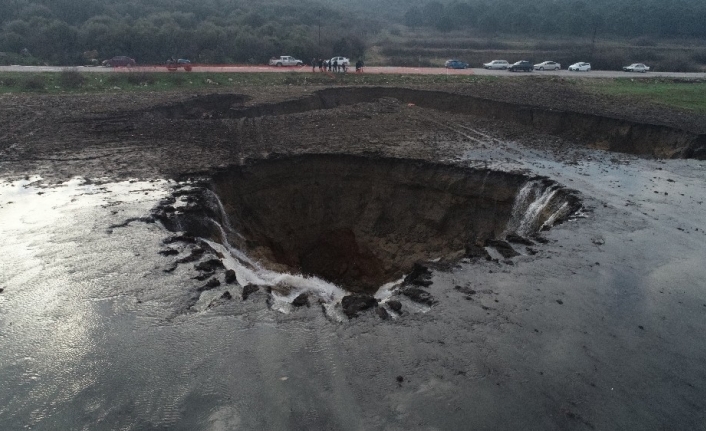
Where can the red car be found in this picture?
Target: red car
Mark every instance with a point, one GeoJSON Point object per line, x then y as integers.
{"type": "Point", "coordinates": [119, 61]}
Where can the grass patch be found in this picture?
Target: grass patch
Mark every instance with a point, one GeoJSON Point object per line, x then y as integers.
{"type": "Point", "coordinates": [690, 95]}
{"type": "Point", "coordinates": [71, 78]}
{"type": "Point", "coordinates": [33, 83]}
{"type": "Point", "coordinates": [110, 82]}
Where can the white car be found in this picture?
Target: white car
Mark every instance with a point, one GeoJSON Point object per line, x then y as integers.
{"type": "Point", "coordinates": [497, 64]}
{"type": "Point", "coordinates": [636, 67]}
{"type": "Point", "coordinates": [341, 61]}
{"type": "Point", "coordinates": [285, 60]}
{"type": "Point", "coordinates": [547, 65]}
{"type": "Point", "coordinates": [580, 67]}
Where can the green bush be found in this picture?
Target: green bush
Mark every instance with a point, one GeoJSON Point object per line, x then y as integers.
{"type": "Point", "coordinates": [71, 78]}
{"type": "Point", "coordinates": [34, 83]}
{"type": "Point", "coordinates": [8, 82]}
{"type": "Point", "coordinates": [675, 61]}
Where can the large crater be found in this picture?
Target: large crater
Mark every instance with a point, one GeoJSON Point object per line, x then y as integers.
{"type": "Point", "coordinates": [361, 222]}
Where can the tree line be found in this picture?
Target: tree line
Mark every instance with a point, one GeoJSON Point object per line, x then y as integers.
{"type": "Point", "coordinates": [630, 18]}
{"type": "Point", "coordinates": [206, 31]}
{"type": "Point", "coordinates": [225, 31]}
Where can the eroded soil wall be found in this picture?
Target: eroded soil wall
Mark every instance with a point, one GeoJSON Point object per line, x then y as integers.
{"type": "Point", "coordinates": [612, 134]}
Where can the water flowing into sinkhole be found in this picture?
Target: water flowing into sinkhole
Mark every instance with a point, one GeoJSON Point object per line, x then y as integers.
{"type": "Point", "coordinates": [360, 222]}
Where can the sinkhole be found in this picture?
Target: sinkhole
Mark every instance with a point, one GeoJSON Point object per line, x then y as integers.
{"type": "Point", "coordinates": [361, 222]}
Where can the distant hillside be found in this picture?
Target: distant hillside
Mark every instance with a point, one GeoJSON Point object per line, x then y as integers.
{"type": "Point", "coordinates": [220, 31]}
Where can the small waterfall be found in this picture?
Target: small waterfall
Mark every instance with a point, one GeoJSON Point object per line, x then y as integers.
{"type": "Point", "coordinates": [538, 204]}
{"type": "Point", "coordinates": [285, 286]}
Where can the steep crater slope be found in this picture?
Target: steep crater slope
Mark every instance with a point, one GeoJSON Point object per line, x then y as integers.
{"type": "Point", "coordinates": [603, 132]}
{"type": "Point", "coordinates": [361, 222]}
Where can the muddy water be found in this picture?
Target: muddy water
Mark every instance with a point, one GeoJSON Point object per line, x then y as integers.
{"type": "Point", "coordinates": [602, 329]}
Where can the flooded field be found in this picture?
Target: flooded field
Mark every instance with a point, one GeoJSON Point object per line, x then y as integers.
{"type": "Point", "coordinates": [200, 302]}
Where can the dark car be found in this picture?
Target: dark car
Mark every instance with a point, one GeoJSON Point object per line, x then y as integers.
{"type": "Point", "coordinates": [173, 65]}
{"type": "Point", "coordinates": [456, 64]}
{"type": "Point", "coordinates": [521, 65]}
{"type": "Point", "coordinates": [119, 61]}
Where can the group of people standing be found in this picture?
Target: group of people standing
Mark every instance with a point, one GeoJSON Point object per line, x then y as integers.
{"type": "Point", "coordinates": [333, 66]}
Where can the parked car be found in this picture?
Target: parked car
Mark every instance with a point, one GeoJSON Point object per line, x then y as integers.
{"type": "Point", "coordinates": [497, 64]}
{"type": "Point", "coordinates": [636, 67]}
{"type": "Point", "coordinates": [119, 61]}
{"type": "Point", "coordinates": [580, 67]}
{"type": "Point", "coordinates": [173, 65]}
{"type": "Point", "coordinates": [547, 65]}
{"type": "Point", "coordinates": [521, 65]}
{"type": "Point", "coordinates": [341, 61]}
{"type": "Point", "coordinates": [285, 60]}
{"type": "Point", "coordinates": [455, 64]}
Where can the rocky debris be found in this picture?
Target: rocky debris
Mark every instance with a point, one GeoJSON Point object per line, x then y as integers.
{"type": "Point", "coordinates": [517, 239]}
{"type": "Point", "coordinates": [598, 241]}
{"type": "Point", "coordinates": [357, 302]}
{"type": "Point", "coordinates": [301, 300]}
{"type": "Point", "coordinates": [466, 290]}
{"type": "Point", "coordinates": [476, 251]}
{"type": "Point", "coordinates": [418, 295]}
{"type": "Point", "coordinates": [210, 265]}
{"type": "Point", "coordinates": [503, 247]}
{"type": "Point", "coordinates": [169, 200]}
{"type": "Point", "coordinates": [195, 255]}
{"type": "Point", "coordinates": [196, 213]}
{"type": "Point", "coordinates": [149, 219]}
{"type": "Point", "coordinates": [395, 305]}
{"type": "Point", "coordinates": [249, 290]}
{"type": "Point", "coordinates": [180, 238]}
{"type": "Point", "coordinates": [282, 288]}
{"type": "Point", "coordinates": [169, 252]}
{"type": "Point", "coordinates": [230, 276]}
{"type": "Point", "coordinates": [382, 313]}
{"type": "Point", "coordinates": [221, 300]}
{"type": "Point", "coordinates": [531, 251]}
{"type": "Point", "coordinates": [540, 239]}
{"type": "Point", "coordinates": [400, 379]}
{"type": "Point", "coordinates": [420, 276]}
{"type": "Point", "coordinates": [204, 275]}
{"type": "Point", "coordinates": [210, 284]}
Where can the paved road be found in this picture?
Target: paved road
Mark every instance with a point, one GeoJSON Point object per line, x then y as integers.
{"type": "Point", "coordinates": [376, 70]}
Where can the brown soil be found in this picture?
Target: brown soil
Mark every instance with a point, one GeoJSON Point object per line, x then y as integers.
{"type": "Point", "coordinates": [168, 134]}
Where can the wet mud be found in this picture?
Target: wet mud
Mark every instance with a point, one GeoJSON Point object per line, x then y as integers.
{"type": "Point", "coordinates": [170, 304]}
